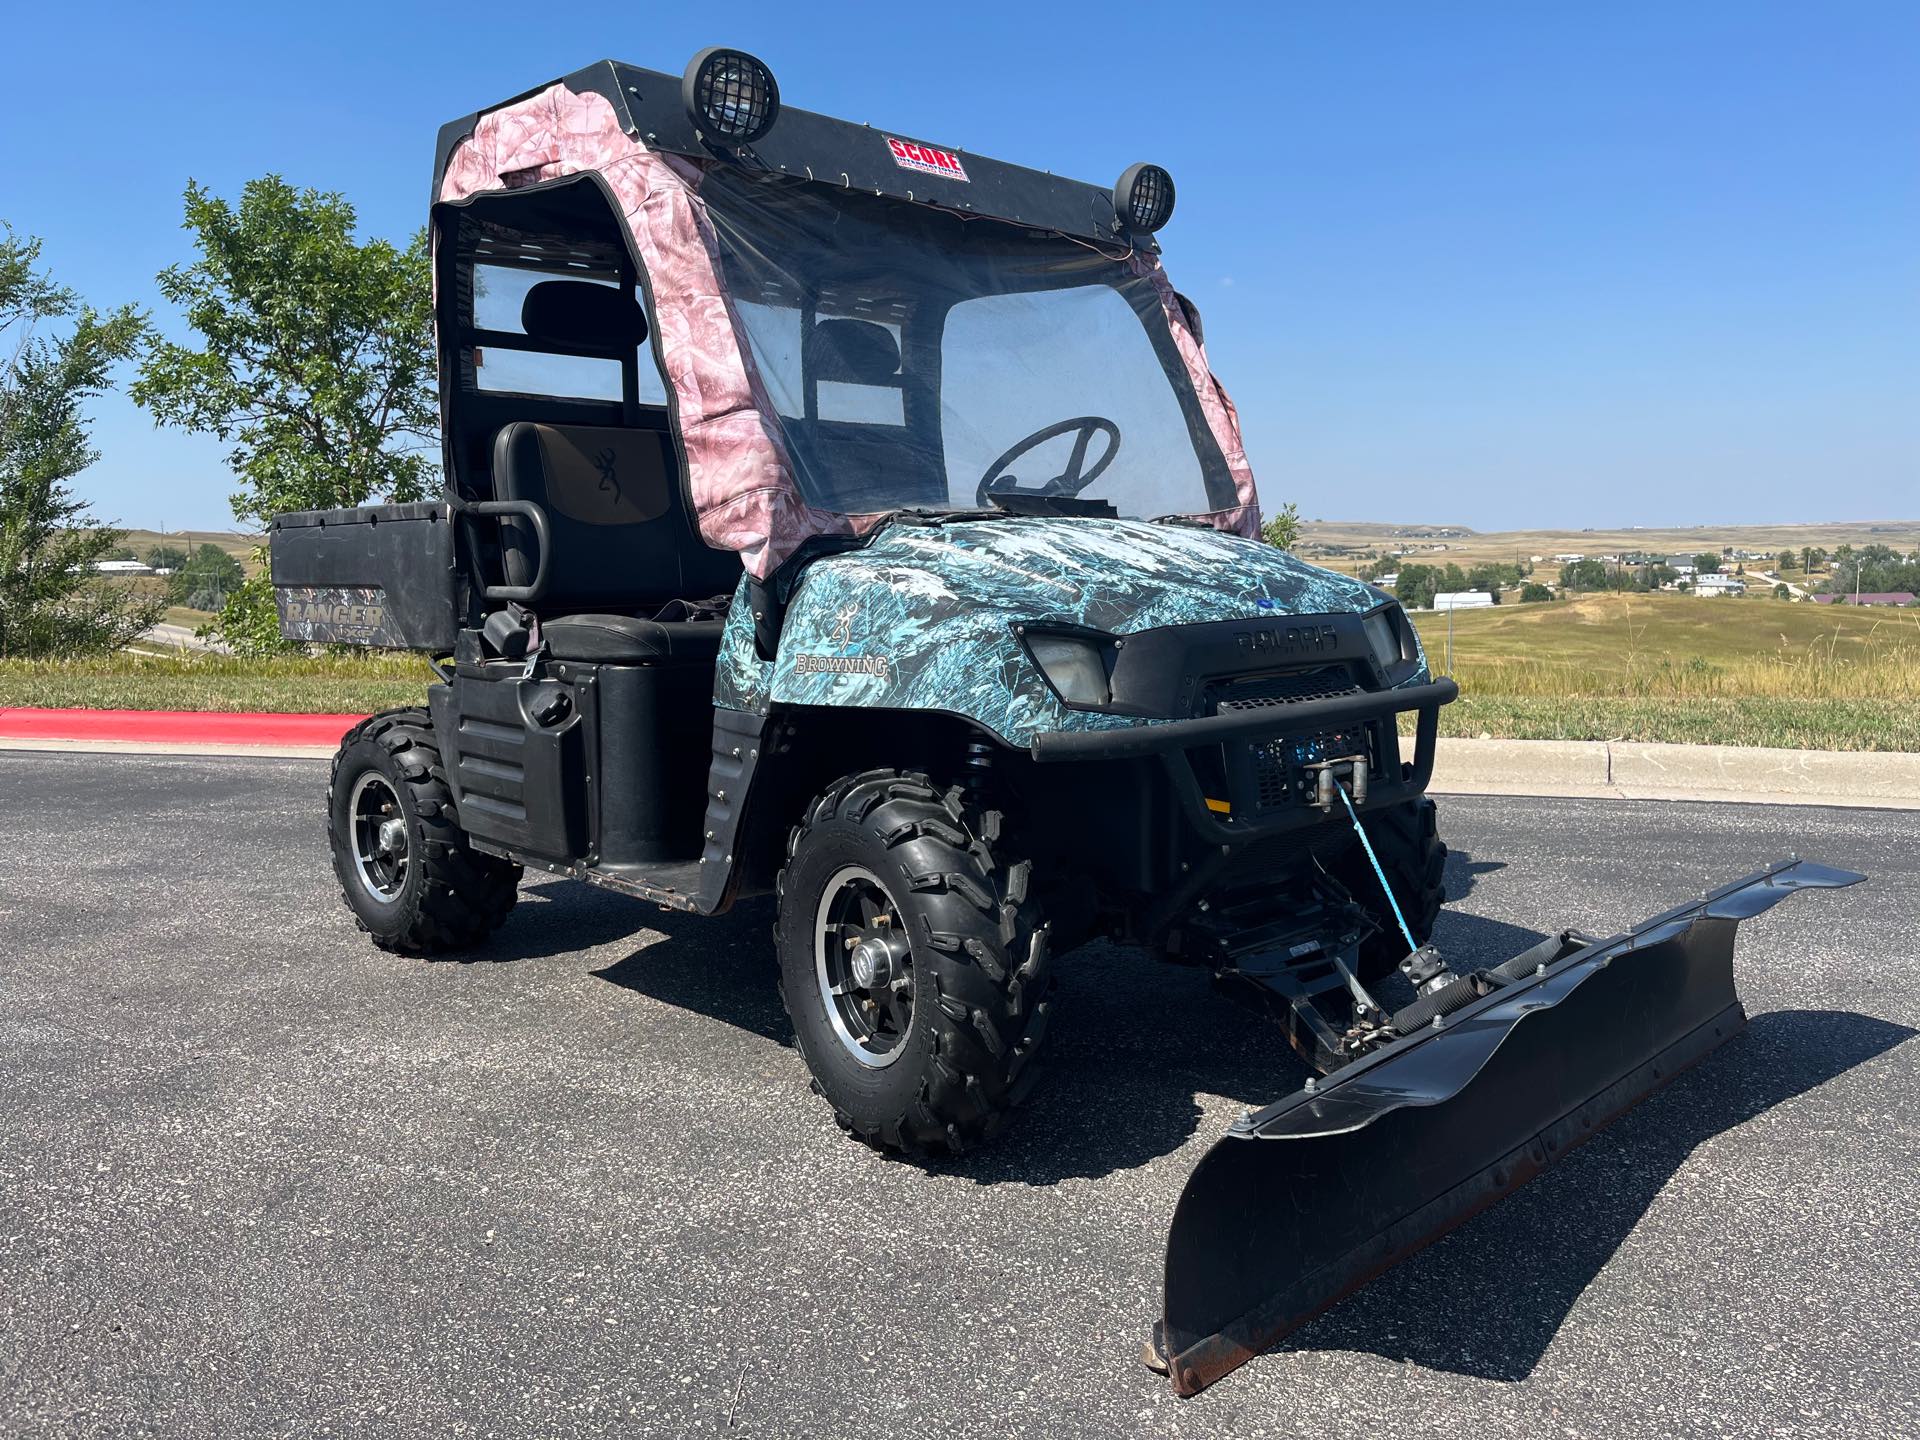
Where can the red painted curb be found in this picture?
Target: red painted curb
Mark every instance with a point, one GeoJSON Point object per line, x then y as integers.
{"type": "Point", "coordinates": [175, 727]}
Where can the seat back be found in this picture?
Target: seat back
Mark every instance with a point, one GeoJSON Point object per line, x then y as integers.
{"type": "Point", "coordinates": [622, 537]}
{"type": "Point", "coordinates": [615, 509]}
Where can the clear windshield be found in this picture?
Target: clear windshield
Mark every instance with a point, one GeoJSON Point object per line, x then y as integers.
{"type": "Point", "coordinates": [921, 359]}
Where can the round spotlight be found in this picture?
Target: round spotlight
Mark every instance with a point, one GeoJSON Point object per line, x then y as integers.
{"type": "Point", "coordinates": [730, 95]}
{"type": "Point", "coordinates": [1144, 197]}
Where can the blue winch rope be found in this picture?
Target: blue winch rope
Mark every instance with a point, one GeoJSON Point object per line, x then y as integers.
{"type": "Point", "coordinates": [1373, 860]}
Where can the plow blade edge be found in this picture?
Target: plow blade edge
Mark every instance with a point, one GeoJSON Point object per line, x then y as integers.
{"type": "Point", "coordinates": [1305, 1201]}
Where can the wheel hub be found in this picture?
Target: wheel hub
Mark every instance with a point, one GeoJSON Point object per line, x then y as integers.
{"type": "Point", "coordinates": [864, 966]}
{"type": "Point", "coordinates": [377, 835]}
{"type": "Point", "coordinates": [876, 960]}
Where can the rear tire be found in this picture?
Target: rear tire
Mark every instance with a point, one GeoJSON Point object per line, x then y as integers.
{"type": "Point", "coordinates": [403, 862]}
{"type": "Point", "coordinates": [1406, 838]}
{"type": "Point", "coordinates": [887, 860]}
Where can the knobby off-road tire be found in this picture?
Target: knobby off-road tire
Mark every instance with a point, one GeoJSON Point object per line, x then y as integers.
{"type": "Point", "coordinates": [977, 953]}
{"type": "Point", "coordinates": [1406, 838]}
{"type": "Point", "coordinates": [443, 895]}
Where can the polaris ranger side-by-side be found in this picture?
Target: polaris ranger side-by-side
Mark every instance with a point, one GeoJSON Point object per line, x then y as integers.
{"type": "Point", "coordinates": [841, 515]}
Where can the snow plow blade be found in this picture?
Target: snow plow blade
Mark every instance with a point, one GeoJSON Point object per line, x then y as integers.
{"type": "Point", "coordinates": [1303, 1202]}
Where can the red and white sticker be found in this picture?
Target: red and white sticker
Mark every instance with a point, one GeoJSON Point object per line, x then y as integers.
{"type": "Point", "coordinates": [910, 155]}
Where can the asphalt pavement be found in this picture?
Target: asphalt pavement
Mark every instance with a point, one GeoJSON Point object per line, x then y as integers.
{"type": "Point", "coordinates": [259, 1178]}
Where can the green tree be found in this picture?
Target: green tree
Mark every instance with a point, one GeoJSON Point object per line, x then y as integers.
{"type": "Point", "coordinates": [1532, 593]}
{"type": "Point", "coordinates": [167, 557]}
{"type": "Point", "coordinates": [313, 357]}
{"type": "Point", "coordinates": [207, 580]}
{"type": "Point", "coordinates": [1282, 531]}
{"type": "Point", "coordinates": [1781, 592]}
{"type": "Point", "coordinates": [51, 601]}
{"type": "Point", "coordinates": [1417, 586]}
{"type": "Point", "coordinates": [1706, 564]}
{"type": "Point", "coordinates": [1584, 575]}
{"type": "Point", "coordinates": [314, 354]}
{"type": "Point", "coordinates": [1785, 557]}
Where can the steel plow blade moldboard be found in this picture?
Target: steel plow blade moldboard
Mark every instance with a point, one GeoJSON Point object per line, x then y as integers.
{"type": "Point", "coordinates": [1303, 1202]}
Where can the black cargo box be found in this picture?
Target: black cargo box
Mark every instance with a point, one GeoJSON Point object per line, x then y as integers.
{"type": "Point", "coordinates": [378, 575]}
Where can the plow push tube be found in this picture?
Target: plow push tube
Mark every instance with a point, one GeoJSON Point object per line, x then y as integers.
{"type": "Point", "coordinates": [1301, 1203]}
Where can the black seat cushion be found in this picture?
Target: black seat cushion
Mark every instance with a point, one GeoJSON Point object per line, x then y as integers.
{"type": "Point", "coordinates": [624, 640]}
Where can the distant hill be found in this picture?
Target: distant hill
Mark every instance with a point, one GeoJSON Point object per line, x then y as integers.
{"type": "Point", "coordinates": [1346, 544]}
{"type": "Point", "coordinates": [236, 543]}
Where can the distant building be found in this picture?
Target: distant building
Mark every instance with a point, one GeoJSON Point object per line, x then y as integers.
{"type": "Point", "coordinates": [1719, 585]}
{"type": "Point", "coordinates": [1569, 559]}
{"type": "Point", "coordinates": [122, 567]}
{"type": "Point", "coordinates": [1387, 582]}
{"type": "Point", "coordinates": [1870, 597]}
{"type": "Point", "coordinates": [1462, 600]}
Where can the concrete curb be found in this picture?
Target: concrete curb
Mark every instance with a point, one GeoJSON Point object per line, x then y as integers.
{"type": "Point", "coordinates": [1621, 770]}
{"type": "Point", "coordinates": [47, 744]}
{"type": "Point", "coordinates": [186, 729]}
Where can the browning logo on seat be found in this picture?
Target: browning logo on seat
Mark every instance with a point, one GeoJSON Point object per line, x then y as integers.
{"type": "Point", "coordinates": [622, 480]}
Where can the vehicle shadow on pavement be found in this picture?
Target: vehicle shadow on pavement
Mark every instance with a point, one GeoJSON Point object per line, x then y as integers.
{"type": "Point", "coordinates": [557, 917]}
{"type": "Point", "coordinates": [720, 966]}
{"type": "Point", "coordinates": [1488, 1300]}
{"type": "Point", "coordinates": [1132, 1045]}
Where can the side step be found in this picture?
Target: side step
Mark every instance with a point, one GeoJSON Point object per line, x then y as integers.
{"type": "Point", "coordinates": [1301, 1203]}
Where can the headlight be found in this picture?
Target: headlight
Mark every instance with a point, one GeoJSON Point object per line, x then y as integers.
{"type": "Point", "coordinates": [731, 96]}
{"type": "Point", "coordinates": [1074, 665]}
{"type": "Point", "coordinates": [1143, 198]}
{"type": "Point", "coordinates": [1383, 634]}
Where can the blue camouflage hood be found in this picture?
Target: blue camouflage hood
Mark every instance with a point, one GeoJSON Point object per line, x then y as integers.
{"type": "Point", "coordinates": [921, 617]}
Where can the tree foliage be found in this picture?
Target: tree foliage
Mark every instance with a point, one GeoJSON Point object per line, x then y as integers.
{"type": "Point", "coordinates": [1584, 575]}
{"type": "Point", "coordinates": [314, 353]}
{"type": "Point", "coordinates": [1873, 569]}
{"type": "Point", "coordinates": [1282, 531]}
{"type": "Point", "coordinates": [1706, 563]}
{"type": "Point", "coordinates": [206, 580]}
{"type": "Point", "coordinates": [1532, 593]}
{"type": "Point", "coordinates": [51, 600]}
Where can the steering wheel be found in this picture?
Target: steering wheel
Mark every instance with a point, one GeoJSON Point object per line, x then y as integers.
{"type": "Point", "coordinates": [1070, 481]}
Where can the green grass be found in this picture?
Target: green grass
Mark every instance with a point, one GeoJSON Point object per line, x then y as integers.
{"type": "Point", "coordinates": [1781, 724]}
{"type": "Point", "coordinates": [326, 684]}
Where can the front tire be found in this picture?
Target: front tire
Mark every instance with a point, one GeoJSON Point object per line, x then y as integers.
{"type": "Point", "coordinates": [403, 862]}
{"type": "Point", "coordinates": [914, 963]}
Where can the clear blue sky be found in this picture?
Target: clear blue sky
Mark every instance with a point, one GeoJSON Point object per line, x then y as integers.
{"type": "Point", "coordinates": [1501, 264]}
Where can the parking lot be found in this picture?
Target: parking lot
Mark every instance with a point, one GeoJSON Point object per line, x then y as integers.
{"type": "Point", "coordinates": [259, 1178]}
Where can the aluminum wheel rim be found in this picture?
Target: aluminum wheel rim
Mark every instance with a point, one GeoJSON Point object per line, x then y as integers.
{"type": "Point", "coordinates": [872, 1018]}
{"type": "Point", "coordinates": [377, 834]}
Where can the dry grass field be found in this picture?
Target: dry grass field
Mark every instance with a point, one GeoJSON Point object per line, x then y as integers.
{"type": "Point", "coordinates": [1681, 668]}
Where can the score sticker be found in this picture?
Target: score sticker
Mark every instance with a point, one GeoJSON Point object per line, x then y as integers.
{"type": "Point", "coordinates": [909, 155]}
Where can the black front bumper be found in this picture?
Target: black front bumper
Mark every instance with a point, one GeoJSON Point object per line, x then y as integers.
{"type": "Point", "coordinates": [1172, 742]}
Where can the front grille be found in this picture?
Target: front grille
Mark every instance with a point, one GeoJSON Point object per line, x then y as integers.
{"type": "Point", "coordinates": [1271, 774]}
{"type": "Point", "coordinates": [1271, 784]}
{"type": "Point", "coordinates": [1285, 687]}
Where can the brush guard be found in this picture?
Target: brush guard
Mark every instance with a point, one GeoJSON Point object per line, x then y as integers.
{"type": "Point", "coordinates": [1432, 1114]}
